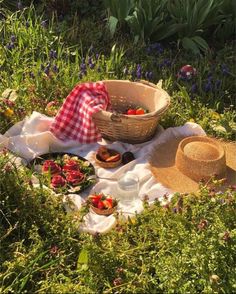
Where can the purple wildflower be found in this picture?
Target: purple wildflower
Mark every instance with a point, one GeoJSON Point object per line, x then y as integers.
{"type": "Point", "coordinates": [167, 62]}
{"type": "Point", "coordinates": [150, 74]}
{"type": "Point", "coordinates": [55, 68]}
{"type": "Point", "coordinates": [53, 54]}
{"type": "Point", "coordinates": [194, 88]}
{"type": "Point", "coordinates": [13, 38]}
{"type": "Point", "coordinates": [32, 75]}
{"type": "Point", "coordinates": [10, 46]}
{"type": "Point", "coordinates": [139, 71]}
{"type": "Point", "coordinates": [97, 56]}
{"type": "Point", "coordinates": [208, 86]}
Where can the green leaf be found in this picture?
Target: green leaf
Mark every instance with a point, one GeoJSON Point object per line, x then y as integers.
{"type": "Point", "coordinates": [188, 44]}
{"type": "Point", "coordinates": [201, 42]}
{"type": "Point", "coordinates": [82, 262]}
{"type": "Point", "coordinates": [112, 23]}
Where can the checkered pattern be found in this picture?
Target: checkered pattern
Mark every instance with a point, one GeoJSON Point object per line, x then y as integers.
{"type": "Point", "coordinates": [74, 119]}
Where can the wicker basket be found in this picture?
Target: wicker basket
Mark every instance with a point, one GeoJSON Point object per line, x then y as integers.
{"type": "Point", "coordinates": [107, 211]}
{"type": "Point", "coordinates": [131, 128]}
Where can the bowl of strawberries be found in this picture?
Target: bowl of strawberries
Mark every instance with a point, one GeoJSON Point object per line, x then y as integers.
{"type": "Point", "coordinates": [102, 204]}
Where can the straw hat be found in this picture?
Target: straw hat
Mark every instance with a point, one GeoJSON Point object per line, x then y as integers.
{"type": "Point", "coordinates": [180, 163]}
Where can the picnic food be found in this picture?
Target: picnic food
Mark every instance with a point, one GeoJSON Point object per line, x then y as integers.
{"type": "Point", "coordinates": [107, 158]}
{"type": "Point", "coordinates": [136, 111]}
{"type": "Point", "coordinates": [102, 204]}
{"type": "Point", "coordinates": [127, 157]}
{"type": "Point", "coordinates": [51, 166]}
{"type": "Point", "coordinates": [64, 172]}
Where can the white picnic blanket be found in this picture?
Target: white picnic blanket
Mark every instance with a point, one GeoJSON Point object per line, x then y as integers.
{"type": "Point", "coordinates": [31, 137]}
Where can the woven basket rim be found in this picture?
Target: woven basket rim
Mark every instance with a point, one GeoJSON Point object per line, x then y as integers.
{"type": "Point", "coordinates": [141, 116]}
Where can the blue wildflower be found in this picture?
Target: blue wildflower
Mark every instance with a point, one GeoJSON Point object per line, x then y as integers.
{"type": "Point", "coordinates": [46, 70]}
{"type": "Point", "coordinates": [167, 62]}
{"type": "Point", "coordinates": [217, 84]}
{"type": "Point", "coordinates": [97, 56]}
{"type": "Point", "coordinates": [194, 88]}
{"type": "Point", "coordinates": [146, 75]}
{"type": "Point", "coordinates": [53, 54]}
{"type": "Point", "coordinates": [32, 75]}
{"type": "Point", "coordinates": [10, 46]}
{"type": "Point", "coordinates": [13, 38]}
{"type": "Point", "coordinates": [139, 71]}
{"type": "Point", "coordinates": [55, 68]}
{"type": "Point", "coordinates": [208, 86]}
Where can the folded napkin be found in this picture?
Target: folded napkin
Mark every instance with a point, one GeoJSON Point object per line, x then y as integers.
{"type": "Point", "coordinates": [74, 119]}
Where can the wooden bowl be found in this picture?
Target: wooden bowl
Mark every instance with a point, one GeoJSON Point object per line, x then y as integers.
{"type": "Point", "coordinates": [107, 211]}
{"type": "Point", "coordinates": [111, 164]}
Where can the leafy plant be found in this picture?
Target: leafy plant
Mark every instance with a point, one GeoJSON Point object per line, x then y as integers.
{"type": "Point", "coordinates": [146, 19]}
{"type": "Point", "coordinates": [118, 12]}
{"type": "Point", "coordinates": [196, 16]}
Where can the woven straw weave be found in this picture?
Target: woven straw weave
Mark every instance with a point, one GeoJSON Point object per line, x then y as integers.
{"type": "Point", "coordinates": [116, 126]}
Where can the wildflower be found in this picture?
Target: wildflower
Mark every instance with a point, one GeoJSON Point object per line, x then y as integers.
{"type": "Point", "coordinates": [47, 70]}
{"type": "Point", "coordinates": [139, 71]}
{"type": "Point", "coordinates": [31, 74]}
{"type": "Point", "coordinates": [55, 68]}
{"type": "Point", "coordinates": [155, 48]}
{"type": "Point", "coordinates": [150, 74]}
{"type": "Point", "coordinates": [97, 56]}
{"type": "Point", "coordinates": [226, 236]}
{"type": "Point", "coordinates": [53, 54]}
{"type": "Point", "coordinates": [167, 62]}
{"type": "Point", "coordinates": [119, 270]}
{"type": "Point", "coordinates": [215, 115]}
{"type": "Point", "coordinates": [27, 24]}
{"type": "Point", "coordinates": [54, 250]}
{"type": "Point", "coordinates": [117, 282]}
{"type": "Point", "coordinates": [10, 46]}
{"type": "Point", "coordinates": [203, 224]}
{"type": "Point", "coordinates": [194, 88]}
{"type": "Point", "coordinates": [13, 38]}
{"type": "Point", "coordinates": [214, 278]}
{"type": "Point", "coordinates": [8, 112]}
{"type": "Point", "coordinates": [208, 87]}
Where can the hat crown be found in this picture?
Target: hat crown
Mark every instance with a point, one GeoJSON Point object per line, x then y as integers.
{"type": "Point", "coordinates": [201, 151]}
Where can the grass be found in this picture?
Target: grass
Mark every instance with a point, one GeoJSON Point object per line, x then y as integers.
{"type": "Point", "coordinates": [187, 246]}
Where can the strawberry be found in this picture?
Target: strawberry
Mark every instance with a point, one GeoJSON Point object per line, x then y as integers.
{"type": "Point", "coordinates": [131, 111]}
{"type": "Point", "coordinates": [140, 111]}
{"type": "Point", "coordinates": [101, 205]}
{"type": "Point", "coordinates": [110, 200]}
{"type": "Point", "coordinates": [107, 204]}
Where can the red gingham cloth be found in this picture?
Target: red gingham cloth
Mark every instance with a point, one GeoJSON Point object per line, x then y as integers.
{"type": "Point", "coordinates": [74, 119]}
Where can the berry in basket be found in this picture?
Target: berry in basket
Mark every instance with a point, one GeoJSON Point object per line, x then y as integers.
{"type": "Point", "coordinates": [136, 111]}
{"type": "Point", "coordinates": [102, 204]}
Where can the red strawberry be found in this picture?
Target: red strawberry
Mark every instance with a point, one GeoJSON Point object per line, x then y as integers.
{"type": "Point", "coordinates": [140, 111]}
{"type": "Point", "coordinates": [101, 205]}
{"type": "Point", "coordinates": [107, 204]}
{"type": "Point", "coordinates": [131, 111]}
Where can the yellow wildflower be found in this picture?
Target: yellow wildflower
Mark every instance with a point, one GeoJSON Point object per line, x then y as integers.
{"type": "Point", "coordinates": [8, 112]}
{"type": "Point", "coordinates": [215, 115]}
{"type": "Point", "coordinates": [191, 120]}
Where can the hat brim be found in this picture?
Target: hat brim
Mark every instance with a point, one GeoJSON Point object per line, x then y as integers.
{"type": "Point", "coordinates": [162, 165]}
